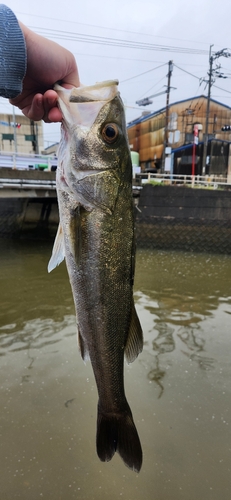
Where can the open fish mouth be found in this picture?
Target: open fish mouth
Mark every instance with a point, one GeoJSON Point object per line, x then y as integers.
{"type": "Point", "coordinates": [104, 91]}
{"type": "Point", "coordinates": [81, 105]}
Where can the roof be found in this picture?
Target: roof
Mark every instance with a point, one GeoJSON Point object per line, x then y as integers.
{"type": "Point", "coordinates": [162, 110]}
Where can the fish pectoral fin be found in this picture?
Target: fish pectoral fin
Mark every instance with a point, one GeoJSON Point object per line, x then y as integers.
{"type": "Point", "coordinates": [134, 344]}
{"type": "Point", "coordinates": [58, 252]}
{"type": "Point", "coordinates": [83, 348]}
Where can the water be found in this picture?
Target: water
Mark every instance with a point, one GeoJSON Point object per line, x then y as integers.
{"type": "Point", "coordinates": [179, 388]}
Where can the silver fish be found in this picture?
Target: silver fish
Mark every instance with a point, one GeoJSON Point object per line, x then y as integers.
{"type": "Point", "coordinates": [96, 237]}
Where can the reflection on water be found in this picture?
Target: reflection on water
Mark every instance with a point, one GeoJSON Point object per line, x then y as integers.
{"type": "Point", "coordinates": [181, 291]}
{"type": "Point", "coordinates": [35, 335]}
{"type": "Point", "coordinates": [179, 388]}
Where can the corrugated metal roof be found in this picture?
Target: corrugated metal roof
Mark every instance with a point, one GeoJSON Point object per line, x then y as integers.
{"type": "Point", "coordinates": [162, 110]}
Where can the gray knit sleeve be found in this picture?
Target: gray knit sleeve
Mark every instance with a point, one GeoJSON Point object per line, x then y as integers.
{"type": "Point", "coordinates": [12, 54]}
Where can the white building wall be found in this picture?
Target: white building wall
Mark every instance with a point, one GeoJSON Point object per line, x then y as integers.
{"type": "Point", "coordinates": [21, 145]}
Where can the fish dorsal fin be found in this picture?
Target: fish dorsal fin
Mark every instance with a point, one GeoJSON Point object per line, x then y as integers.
{"type": "Point", "coordinates": [134, 344]}
{"type": "Point", "coordinates": [58, 252]}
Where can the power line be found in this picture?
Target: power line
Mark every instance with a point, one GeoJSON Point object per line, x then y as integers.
{"type": "Point", "coordinates": [223, 90]}
{"type": "Point", "coordinates": [111, 29]}
{"type": "Point", "coordinates": [144, 73]}
{"type": "Point", "coordinates": [153, 86]}
{"type": "Point", "coordinates": [117, 57]}
{"type": "Point", "coordinates": [109, 41]}
{"type": "Point", "coordinates": [184, 70]}
{"type": "Point", "coordinates": [194, 76]}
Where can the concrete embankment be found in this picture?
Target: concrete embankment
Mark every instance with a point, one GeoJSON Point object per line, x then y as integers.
{"type": "Point", "coordinates": [168, 217]}
{"type": "Point", "coordinates": [177, 217]}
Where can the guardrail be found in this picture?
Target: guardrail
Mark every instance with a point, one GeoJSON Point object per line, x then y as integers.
{"type": "Point", "coordinates": [27, 184]}
{"type": "Point", "coordinates": [27, 162]}
{"type": "Point", "coordinates": [192, 180]}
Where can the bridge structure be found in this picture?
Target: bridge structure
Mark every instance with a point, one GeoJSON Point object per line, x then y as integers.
{"type": "Point", "coordinates": [20, 161]}
{"type": "Point", "coordinates": [28, 203]}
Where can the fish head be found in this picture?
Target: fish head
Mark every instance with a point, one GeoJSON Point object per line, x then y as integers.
{"type": "Point", "coordinates": [94, 141]}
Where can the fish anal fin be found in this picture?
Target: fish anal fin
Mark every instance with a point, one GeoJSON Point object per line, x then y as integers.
{"type": "Point", "coordinates": [82, 346]}
{"type": "Point", "coordinates": [58, 252]}
{"type": "Point", "coordinates": [134, 344]}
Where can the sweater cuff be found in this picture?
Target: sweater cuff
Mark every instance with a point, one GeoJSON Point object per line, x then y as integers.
{"type": "Point", "coordinates": [12, 54]}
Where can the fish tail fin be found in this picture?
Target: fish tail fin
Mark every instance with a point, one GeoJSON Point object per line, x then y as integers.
{"type": "Point", "coordinates": [117, 432]}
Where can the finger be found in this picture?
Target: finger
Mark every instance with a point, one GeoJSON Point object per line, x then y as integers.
{"type": "Point", "coordinates": [52, 113]}
{"type": "Point", "coordinates": [36, 110]}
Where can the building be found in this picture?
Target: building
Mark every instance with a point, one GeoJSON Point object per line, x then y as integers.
{"type": "Point", "coordinates": [20, 135]}
{"type": "Point", "coordinates": [51, 150]}
{"type": "Point", "coordinates": [148, 135]}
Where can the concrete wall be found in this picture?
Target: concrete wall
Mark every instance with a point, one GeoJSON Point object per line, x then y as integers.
{"type": "Point", "coordinates": [10, 173]}
{"type": "Point", "coordinates": [184, 218]}
{"type": "Point", "coordinates": [169, 217]}
{"type": "Point", "coordinates": [28, 217]}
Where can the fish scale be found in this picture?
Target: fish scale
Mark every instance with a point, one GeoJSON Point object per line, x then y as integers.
{"type": "Point", "coordinates": [96, 236]}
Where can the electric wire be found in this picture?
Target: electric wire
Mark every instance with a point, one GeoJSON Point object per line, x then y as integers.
{"type": "Point", "coordinates": [153, 86]}
{"type": "Point", "coordinates": [144, 73]}
{"type": "Point", "coordinates": [194, 76]}
{"type": "Point", "coordinates": [112, 29]}
{"type": "Point", "coordinates": [223, 90]}
{"type": "Point", "coordinates": [118, 57]}
{"type": "Point", "coordinates": [109, 41]}
{"type": "Point", "coordinates": [184, 70]}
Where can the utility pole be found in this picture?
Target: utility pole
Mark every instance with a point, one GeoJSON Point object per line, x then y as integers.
{"type": "Point", "coordinates": [207, 111]}
{"type": "Point", "coordinates": [34, 135]}
{"type": "Point", "coordinates": [170, 69]}
{"type": "Point", "coordinates": [15, 135]}
{"type": "Point", "coordinates": [213, 73]}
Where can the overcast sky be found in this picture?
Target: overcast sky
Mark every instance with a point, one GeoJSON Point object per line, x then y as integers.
{"type": "Point", "coordinates": [164, 30]}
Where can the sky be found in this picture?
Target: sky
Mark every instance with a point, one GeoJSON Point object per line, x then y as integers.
{"type": "Point", "coordinates": [137, 40]}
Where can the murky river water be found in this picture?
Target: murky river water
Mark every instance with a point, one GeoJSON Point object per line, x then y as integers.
{"type": "Point", "coordinates": [179, 388]}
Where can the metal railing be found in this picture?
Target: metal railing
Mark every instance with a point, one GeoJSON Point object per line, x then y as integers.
{"type": "Point", "coordinates": [27, 184]}
{"type": "Point", "coordinates": [213, 181]}
{"type": "Point", "coordinates": [27, 162]}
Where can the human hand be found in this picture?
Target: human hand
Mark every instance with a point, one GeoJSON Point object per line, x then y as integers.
{"type": "Point", "coordinates": [47, 63]}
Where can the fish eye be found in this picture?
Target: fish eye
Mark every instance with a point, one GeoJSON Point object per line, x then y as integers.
{"type": "Point", "coordinates": [110, 133]}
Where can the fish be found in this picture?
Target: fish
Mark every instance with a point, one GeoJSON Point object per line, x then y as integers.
{"type": "Point", "coordinates": [96, 238]}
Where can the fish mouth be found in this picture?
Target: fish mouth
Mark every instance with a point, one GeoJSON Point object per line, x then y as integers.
{"type": "Point", "coordinates": [104, 91]}
{"type": "Point", "coordinates": [81, 105]}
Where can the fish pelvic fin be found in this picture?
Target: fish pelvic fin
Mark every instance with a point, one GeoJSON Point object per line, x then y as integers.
{"type": "Point", "coordinates": [134, 344]}
{"type": "Point", "coordinates": [117, 432]}
{"type": "Point", "coordinates": [58, 252]}
{"type": "Point", "coordinates": [83, 348]}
